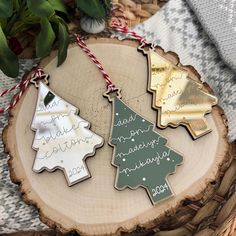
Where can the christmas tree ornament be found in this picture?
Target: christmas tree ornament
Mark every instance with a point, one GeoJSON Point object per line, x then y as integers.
{"type": "Point", "coordinates": [63, 139]}
{"type": "Point", "coordinates": [204, 159]}
{"type": "Point", "coordinates": [178, 99]}
{"type": "Point", "coordinates": [140, 153]}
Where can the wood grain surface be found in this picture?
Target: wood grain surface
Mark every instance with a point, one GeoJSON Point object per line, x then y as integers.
{"type": "Point", "coordinates": [95, 207]}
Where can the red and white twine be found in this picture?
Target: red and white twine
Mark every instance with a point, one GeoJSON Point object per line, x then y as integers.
{"type": "Point", "coordinates": [38, 72]}
{"type": "Point", "coordinates": [81, 43]}
{"type": "Point", "coordinates": [120, 24]}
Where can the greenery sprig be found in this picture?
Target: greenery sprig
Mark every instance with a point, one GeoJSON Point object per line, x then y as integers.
{"type": "Point", "coordinates": [47, 18]}
{"type": "Point", "coordinates": [20, 15]}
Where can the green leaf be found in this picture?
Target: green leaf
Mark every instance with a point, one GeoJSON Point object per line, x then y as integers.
{"type": "Point", "coordinates": [49, 97]}
{"type": "Point", "coordinates": [29, 18]}
{"type": "Point", "coordinates": [3, 23]}
{"type": "Point", "coordinates": [16, 5]}
{"type": "Point", "coordinates": [6, 8]}
{"type": "Point", "coordinates": [45, 39]}
{"type": "Point", "coordinates": [63, 38]}
{"type": "Point", "coordinates": [58, 5]}
{"type": "Point", "coordinates": [92, 8]}
{"type": "Point", "coordinates": [8, 60]}
{"type": "Point", "coordinates": [40, 8]}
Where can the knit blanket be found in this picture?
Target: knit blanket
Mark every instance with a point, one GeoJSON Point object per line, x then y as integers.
{"type": "Point", "coordinates": [14, 213]}
{"type": "Point", "coordinates": [218, 18]}
{"type": "Point", "coordinates": [175, 28]}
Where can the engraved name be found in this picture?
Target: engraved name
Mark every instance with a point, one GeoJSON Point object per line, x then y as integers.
{"type": "Point", "coordinates": [125, 121]}
{"type": "Point", "coordinates": [54, 118]}
{"type": "Point", "coordinates": [133, 133]}
{"type": "Point", "coordinates": [140, 146]}
{"type": "Point", "coordinates": [148, 161]}
{"type": "Point", "coordinates": [171, 79]}
{"type": "Point", "coordinates": [171, 95]}
{"type": "Point", "coordinates": [67, 145]}
{"type": "Point", "coordinates": [60, 133]}
{"type": "Point", "coordinates": [49, 106]}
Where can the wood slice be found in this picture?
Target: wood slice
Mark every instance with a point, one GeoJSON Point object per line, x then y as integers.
{"type": "Point", "coordinates": [95, 207]}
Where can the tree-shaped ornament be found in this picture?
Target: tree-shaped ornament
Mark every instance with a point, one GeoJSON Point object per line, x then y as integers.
{"type": "Point", "coordinates": [140, 154]}
{"type": "Point", "coordinates": [178, 98]}
{"type": "Point", "coordinates": [63, 139]}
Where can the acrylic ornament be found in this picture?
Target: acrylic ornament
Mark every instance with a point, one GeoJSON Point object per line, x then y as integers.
{"type": "Point", "coordinates": [178, 99]}
{"type": "Point", "coordinates": [136, 144]}
{"type": "Point", "coordinates": [63, 139]}
{"type": "Point", "coordinates": [95, 198]}
{"type": "Point", "coordinates": [140, 154]}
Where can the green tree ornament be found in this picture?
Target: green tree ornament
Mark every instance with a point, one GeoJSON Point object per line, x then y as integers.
{"type": "Point", "coordinates": [140, 153]}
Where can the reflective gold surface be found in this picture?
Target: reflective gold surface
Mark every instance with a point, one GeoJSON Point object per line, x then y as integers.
{"type": "Point", "coordinates": [179, 99]}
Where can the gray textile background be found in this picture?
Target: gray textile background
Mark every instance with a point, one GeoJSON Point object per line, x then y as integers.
{"type": "Point", "coordinates": [14, 213]}
{"type": "Point", "coordinates": [218, 18]}
{"type": "Point", "coordinates": [175, 28]}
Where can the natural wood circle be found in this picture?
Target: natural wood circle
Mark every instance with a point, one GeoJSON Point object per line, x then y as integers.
{"type": "Point", "coordinates": [95, 207]}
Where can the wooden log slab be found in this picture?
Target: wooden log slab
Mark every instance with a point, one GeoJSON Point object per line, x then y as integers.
{"type": "Point", "coordinates": [95, 207]}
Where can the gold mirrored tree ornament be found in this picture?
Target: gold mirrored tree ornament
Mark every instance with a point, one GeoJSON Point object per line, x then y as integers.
{"type": "Point", "coordinates": [178, 99]}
